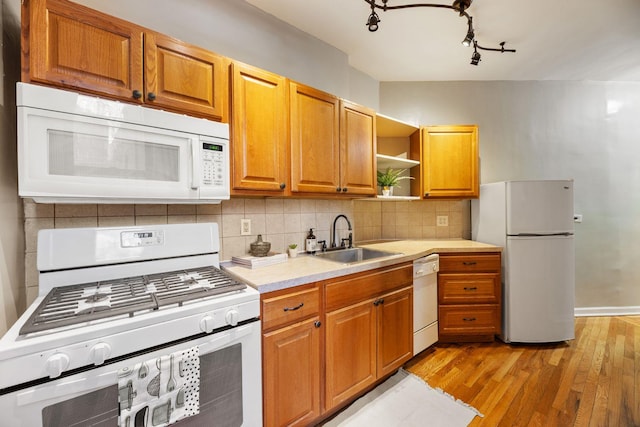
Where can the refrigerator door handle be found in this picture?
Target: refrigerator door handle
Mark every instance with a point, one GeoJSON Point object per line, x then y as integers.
{"type": "Point", "coordinates": [539, 235]}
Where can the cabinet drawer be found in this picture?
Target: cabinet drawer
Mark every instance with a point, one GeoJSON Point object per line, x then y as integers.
{"type": "Point", "coordinates": [359, 287]}
{"type": "Point", "coordinates": [469, 319]}
{"type": "Point", "coordinates": [460, 288]}
{"type": "Point", "coordinates": [470, 263]}
{"type": "Point", "coordinates": [290, 307]}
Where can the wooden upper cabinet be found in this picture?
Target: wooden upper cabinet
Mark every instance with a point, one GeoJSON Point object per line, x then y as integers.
{"type": "Point", "coordinates": [183, 77]}
{"type": "Point", "coordinates": [450, 162]}
{"type": "Point", "coordinates": [72, 46]}
{"type": "Point", "coordinates": [333, 144]}
{"type": "Point", "coordinates": [357, 149]}
{"type": "Point", "coordinates": [69, 45]}
{"type": "Point", "coordinates": [315, 140]}
{"type": "Point", "coordinates": [259, 130]}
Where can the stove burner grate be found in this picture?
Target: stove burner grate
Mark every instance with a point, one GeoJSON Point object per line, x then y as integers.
{"type": "Point", "coordinates": [74, 304]}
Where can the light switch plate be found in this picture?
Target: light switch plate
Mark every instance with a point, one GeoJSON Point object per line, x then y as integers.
{"type": "Point", "coordinates": [442, 220]}
{"type": "Point", "coordinates": [245, 227]}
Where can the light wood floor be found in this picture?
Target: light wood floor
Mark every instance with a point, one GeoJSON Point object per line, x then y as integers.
{"type": "Point", "coordinates": [593, 380]}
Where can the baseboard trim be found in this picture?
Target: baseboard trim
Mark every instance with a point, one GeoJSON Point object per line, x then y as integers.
{"type": "Point", "coordinates": [607, 311]}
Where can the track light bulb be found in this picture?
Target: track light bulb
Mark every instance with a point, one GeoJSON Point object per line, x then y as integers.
{"type": "Point", "coordinates": [373, 21]}
{"type": "Point", "coordinates": [475, 58]}
{"type": "Point", "coordinates": [468, 40]}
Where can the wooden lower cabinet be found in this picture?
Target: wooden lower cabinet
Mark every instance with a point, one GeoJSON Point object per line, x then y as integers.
{"type": "Point", "coordinates": [469, 297]}
{"type": "Point", "coordinates": [325, 343]}
{"type": "Point", "coordinates": [292, 374]}
{"type": "Point", "coordinates": [351, 351]}
{"type": "Point", "coordinates": [365, 342]}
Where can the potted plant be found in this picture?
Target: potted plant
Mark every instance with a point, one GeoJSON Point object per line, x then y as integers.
{"type": "Point", "coordinates": [389, 178]}
{"type": "Point", "coordinates": [291, 250]}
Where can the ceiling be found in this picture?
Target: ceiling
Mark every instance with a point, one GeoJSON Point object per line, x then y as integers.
{"type": "Point", "coordinates": [555, 40]}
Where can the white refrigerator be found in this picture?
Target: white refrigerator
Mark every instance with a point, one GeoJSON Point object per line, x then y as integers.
{"type": "Point", "coordinates": [533, 222]}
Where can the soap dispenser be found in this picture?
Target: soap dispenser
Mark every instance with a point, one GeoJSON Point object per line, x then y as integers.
{"type": "Point", "coordinates": [311, 242]}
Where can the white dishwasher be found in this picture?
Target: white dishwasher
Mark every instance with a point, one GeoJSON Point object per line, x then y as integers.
{"type": "Point", "coordinates": [425, 302]}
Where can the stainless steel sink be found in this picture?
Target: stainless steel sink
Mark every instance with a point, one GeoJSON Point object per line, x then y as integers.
{"type": "Point", "coordinates": [352, 255]}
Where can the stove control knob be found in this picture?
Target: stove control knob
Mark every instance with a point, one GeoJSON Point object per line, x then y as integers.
{"type": "Point", "coordinates": [99, 353]}
{"type": "Point", "coordinates": [56, 365]}
{"type": "Point", "coordinates": [206, 324]}
{"type": "Point", "coordinates": [232, 317]}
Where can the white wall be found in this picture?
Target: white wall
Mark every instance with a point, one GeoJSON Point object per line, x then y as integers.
{"type": "Point", "coordinates": [12, 291]}
{"type": "Point", "coordinates": [587, 131]}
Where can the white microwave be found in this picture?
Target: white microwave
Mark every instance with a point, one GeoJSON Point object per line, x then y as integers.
{"type": "Point", "coordinates": [75, 148]}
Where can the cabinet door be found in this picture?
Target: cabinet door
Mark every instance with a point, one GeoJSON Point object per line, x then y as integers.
{"type": "Point", "coordinates": [357, 149]}
{"type": "Point", "coordinates": [450, 162]}
{"type": "Point", "coordinates": [73, 46]}
{"type": "Point", "coordinates": [315, 140]}
{"type": "Point", "coordinates": [291, 374]}
{"type": "Point", "coordinates": [259, 137]}
{"type": "Point", "coordinates": [183, 77]}
{"type": "Point", "coordinates": [395, 326]}
{"type": "Point", "coordinates": [350, 351]}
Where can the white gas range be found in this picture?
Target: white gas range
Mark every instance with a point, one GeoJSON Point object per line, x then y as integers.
{"type": "Point", "coordinates": [115, 300]}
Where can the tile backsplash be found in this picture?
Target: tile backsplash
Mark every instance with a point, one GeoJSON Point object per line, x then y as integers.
{"type": "Point", "coordinates": [281, 221]}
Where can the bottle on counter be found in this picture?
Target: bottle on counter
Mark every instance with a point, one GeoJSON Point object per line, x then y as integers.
{"type": "Point", "coordinates": [311, 242]}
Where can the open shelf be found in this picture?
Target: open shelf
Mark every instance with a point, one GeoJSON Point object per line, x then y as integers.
{"type": "Point", "coordinates": [392, 162]}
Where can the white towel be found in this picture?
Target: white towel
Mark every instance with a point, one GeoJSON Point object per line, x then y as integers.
{"type": "Point", "coordinates": [162, 390]}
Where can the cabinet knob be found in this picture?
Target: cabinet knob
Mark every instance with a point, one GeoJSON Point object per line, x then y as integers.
{"type": "Point", "coordinates": [136, 94]}
{"type": "Point", "coordinates": [338, 189]}
{"type": "Point", "coordinates": [283, 186]}
{"type": "Point", "coordinates": [344, 189]}
{"type": "Point", "coordinates": [151, 96]}
{"type": "Point", "coordinates": [426, 194]}
{"type": "Point", "coordinates": [317, 323]}
{"type": "Point", "coordinates": [378, 301]}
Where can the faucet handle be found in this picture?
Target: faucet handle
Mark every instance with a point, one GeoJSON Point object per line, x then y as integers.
{"type": "Point", "coordinates": [323, 246]}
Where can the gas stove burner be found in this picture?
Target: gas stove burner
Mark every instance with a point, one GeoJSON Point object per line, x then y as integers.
{"type": "Point", "coordinates": [77, 304]}
{"type": "Point", "coordinates": [97, 298]}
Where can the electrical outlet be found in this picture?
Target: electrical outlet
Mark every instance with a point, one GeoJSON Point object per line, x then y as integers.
{"type": "Point", "coordinates": [442, 220]}
{"type": "Point", "coordinates": [245, 227]}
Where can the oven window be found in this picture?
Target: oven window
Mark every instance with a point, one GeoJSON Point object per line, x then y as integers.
{"type": "Point", "coordinates": [220, 390]}
{"type": "Point", "coordinates": [220, 398]}
{"type": "Point", "coordinates": [98, 408]}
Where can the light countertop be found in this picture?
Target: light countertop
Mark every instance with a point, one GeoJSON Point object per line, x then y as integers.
{"type": "Point", "coordinates": [308, 268]}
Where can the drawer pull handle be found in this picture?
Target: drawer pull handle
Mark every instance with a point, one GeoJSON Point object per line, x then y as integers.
{"type": "Point", "coordinates": [469, 319]}
{"type": "Point", "coordinates": [317, 324]}
{"type": "Point", "coordinates": [470, 288]}
{"type": "Point", "coordinates": [378, 301]}
{"type": "Point", "coordinates": [297, 307]}
{"type": "Point", "coordinates": [469, 263]}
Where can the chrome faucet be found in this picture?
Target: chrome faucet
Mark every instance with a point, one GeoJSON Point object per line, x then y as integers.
{"type": "Point", "coordinates": [333, 232]}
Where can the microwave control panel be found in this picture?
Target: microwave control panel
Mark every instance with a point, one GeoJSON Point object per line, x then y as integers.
{"type": "Point", "coordinates": [213, 160]}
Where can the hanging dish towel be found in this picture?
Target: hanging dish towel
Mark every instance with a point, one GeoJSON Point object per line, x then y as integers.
{"type": "Point", "coordinates": [160, 391]}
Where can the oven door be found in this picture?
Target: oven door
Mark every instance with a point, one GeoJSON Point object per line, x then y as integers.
{"type": "Point", "coordinates": [230, 388]}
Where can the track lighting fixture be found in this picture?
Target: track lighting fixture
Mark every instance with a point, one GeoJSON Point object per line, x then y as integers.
{"type": "Point", "coordinates": [470, 35]}
{"type": "Point", "coordinates": [459, 6]}
{"type": "Point", "coordinates": [373, 20]}
{"type": "Point", "coordinates": [475, 58]}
